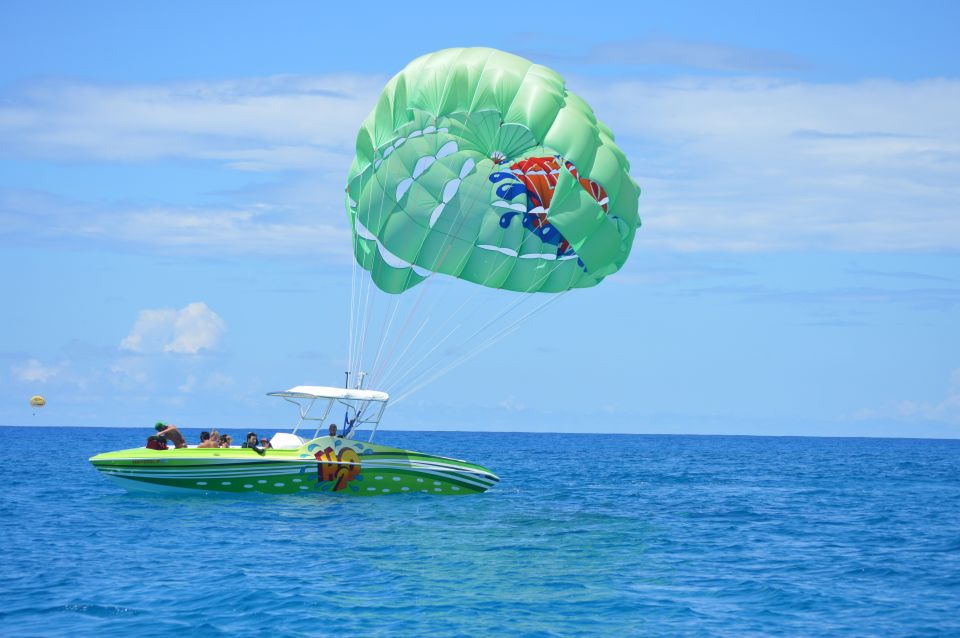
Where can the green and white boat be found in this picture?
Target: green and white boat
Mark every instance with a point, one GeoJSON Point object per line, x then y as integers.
{"type": "Point", "coordinates": [334, 464]}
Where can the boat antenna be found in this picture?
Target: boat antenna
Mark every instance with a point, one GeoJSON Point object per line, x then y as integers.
{"type": "Point", "coordinates": [361, 374]}
{"type": "Point", "coordinates": [346, 383]}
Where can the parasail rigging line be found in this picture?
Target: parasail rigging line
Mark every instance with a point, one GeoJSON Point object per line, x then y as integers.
{"type": "Point", "coordinates": [524, 296]}
{"type": "Point", "coordinates": [427, 284]}
{"type": "Point", "coordinates": [366, 305]}
{"type": "Point", "coordinates": [491, 340]}
{"type": "Point", "coordinates": [480, 348]}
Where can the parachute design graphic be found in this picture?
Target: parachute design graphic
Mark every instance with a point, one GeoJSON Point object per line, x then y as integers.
{"type": "Point", "coordinates": [480, 165]}
{"type": "Point", "coordinates": [536, 179]}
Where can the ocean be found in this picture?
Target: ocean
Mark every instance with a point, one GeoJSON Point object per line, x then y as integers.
{"type": "Point", "coordinates": [586, 535]}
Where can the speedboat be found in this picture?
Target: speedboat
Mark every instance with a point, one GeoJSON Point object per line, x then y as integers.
{"type": "Point", "coordinates": [293, 464]}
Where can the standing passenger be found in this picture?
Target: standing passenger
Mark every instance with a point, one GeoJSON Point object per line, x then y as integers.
{"type": "Point", "coordinates": [171, 432]}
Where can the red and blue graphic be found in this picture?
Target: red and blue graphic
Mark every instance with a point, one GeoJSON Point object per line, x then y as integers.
{"type": "Point", "coordinates": [536, 178]}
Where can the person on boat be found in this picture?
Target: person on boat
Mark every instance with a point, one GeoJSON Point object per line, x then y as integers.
{"type": "Point", "coordinates": [207, 441]}
{"type": "Point", "coordinates": [156, 443]}
{"type": "Point", "coordinates": [265, 444]}
{"type": "Point", "coordinates": [226, 440]}
{"type": "Point", "coordinates": [167, 431]}
{"type": "Point", "coordinates": [332, 430]}
{"type": "Point", "coordinates": [252, 443]}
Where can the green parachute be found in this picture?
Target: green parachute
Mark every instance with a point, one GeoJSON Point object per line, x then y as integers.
{"type": "Point", "coordinates": [480, 165]}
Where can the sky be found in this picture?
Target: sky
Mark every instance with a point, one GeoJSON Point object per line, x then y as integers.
{"type": "Point", "coordinates": [174, 244]}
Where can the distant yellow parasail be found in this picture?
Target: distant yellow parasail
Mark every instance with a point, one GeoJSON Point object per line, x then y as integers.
{"type": "Point", "coordinates": [38, 401]}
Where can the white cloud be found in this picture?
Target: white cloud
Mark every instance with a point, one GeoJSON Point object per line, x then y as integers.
{"type": "Point", "coordinates": [188, 385]}
{"type": "Point", "coordinates": [212, 381]}
{"type": "Point", "coordinates": [944, 411]}
{"type": "Point", "coordinates": [742, 164]}
{"type": "Point", "coordinates": [691, 53]}
{"type": "Point", "coordinates": [227, 231]}
{"type": "Point", "coordinates": [258, 229]}
{"type": "Point", "coordinates": [271, 123]}
{"type": "Point", "coordinates": [129, 372]}
{"type": "Point", "coordinates": [511, 404]}
{"type": "Point", "coordinates": [64, 373]}
{"type": "Point", "coordinates": [189, 330]}
{"type": "Point", "coordinates": [761, 165]}
{"type": "Point", "coordinates": [219, 380]}
{"type": "Point", "coordinates": [33, 371]}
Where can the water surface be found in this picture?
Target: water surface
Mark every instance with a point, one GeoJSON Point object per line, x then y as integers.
{"type": "Point", "coordinates": [613, 535]}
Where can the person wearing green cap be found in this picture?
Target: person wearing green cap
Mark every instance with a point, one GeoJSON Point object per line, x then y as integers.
{"type": "Point", "coordinates": [171, 432]}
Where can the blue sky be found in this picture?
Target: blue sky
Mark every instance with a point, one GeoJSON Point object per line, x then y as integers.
{"type": "Point", "coordinates": [174, 243]}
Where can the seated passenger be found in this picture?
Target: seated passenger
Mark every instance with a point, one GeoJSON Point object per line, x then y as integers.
{"type": "Point", "coordinates": [265, 444]}
{"type": "Point", "coordinates": [226, 440]}
{"type": "Point", "coordinates": [156, 443]}
{"type": "Point", "coordinates": [332, 430]}
{"type": "Point", "coordinates": [252, 443]}
{"type": "Point", "coordinates": [171, 432]}
{"type": "Point", "coordinates": [206, 441]}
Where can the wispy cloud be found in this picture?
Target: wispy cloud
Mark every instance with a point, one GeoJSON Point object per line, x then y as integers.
{"type": "Point", "coordinates": [726, 164]}
{"type": "Point", "coordinates": [64, 373]}
{"type": "Point", "coordinates": [902, 274]}
{"type": "Point", "coordinates": [259, 228]}
{"type": "Point", "coordinates": [750, 164]}
{"type": "Point", "coordinates": [511, 404]}
{"type": "Point", "coordinates": [664, 51]}
{"type": "Point", "coordinates": [274, 123]}
{"type": "Point", "coordinates": [193, 328]}
{"type": "Point", "coordinates": [863, 297]}
{"type": "Point", "coordinates": [945, 411]}
{"type": "Point", "coordinates": [301, 130]}
{"type": "Point", "coordinates": [713, 56]}
{"type": "Point", "coordinates": [33, 371]}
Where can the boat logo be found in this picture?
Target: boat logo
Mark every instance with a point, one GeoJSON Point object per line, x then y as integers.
{"type": "Point", "coordinates": [340, 467]}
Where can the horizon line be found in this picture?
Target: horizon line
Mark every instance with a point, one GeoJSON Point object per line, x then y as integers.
{"type": "Point", "coordinates": [579, 433]}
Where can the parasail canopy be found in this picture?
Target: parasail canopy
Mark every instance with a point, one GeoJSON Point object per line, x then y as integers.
{"type": "Point", "coordinates": [481, 165]}
{"type": "Point", "coordinates": [37, 401]}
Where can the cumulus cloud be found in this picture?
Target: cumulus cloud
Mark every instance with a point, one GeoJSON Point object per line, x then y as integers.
{"type": "Point", "coordinates": [193, 328]}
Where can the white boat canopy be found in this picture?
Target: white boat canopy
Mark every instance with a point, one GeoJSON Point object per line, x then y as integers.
{"type": "Point", "coordinates": [326, 392]}
{"type": "Point", "coordinates": [356, 403]}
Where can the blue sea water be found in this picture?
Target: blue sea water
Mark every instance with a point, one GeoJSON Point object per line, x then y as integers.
{"type": "Point", "coordinates": [585, 536]}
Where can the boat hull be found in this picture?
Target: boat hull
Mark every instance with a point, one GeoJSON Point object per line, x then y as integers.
{"type": "Point", "coordinates": [325, 465]}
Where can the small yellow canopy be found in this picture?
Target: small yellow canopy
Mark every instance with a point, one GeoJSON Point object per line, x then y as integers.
{"type": "Point", "coordinates": [37, 401]}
